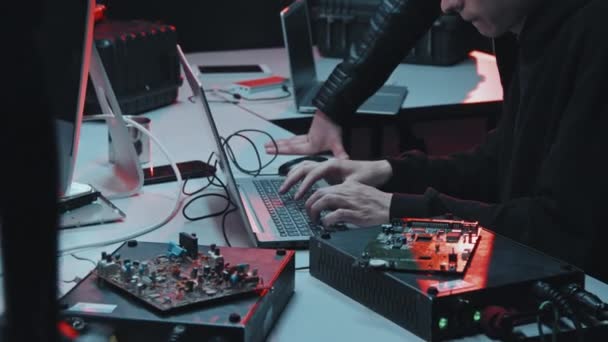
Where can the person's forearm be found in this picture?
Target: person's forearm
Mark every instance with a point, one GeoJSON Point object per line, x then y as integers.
{"type": "Point", "coordinates": [471, 174]}
{"type": "Point", "coordinates": [535, 221]}
{"type": "Point", "coordinates": [394, 30]}
{"type": "Point", "coordinates": [382, 171]}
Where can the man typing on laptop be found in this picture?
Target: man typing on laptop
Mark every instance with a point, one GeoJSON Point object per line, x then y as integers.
{"type": "Point", "coordinates": [272, 219]}
{"type": "Point", "coordinates": [537, 178]}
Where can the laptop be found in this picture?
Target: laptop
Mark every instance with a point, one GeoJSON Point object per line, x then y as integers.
{"type": "Point", "coordinates": [298, 41]}
{"type": "Point", "coordinates": [271, 220]}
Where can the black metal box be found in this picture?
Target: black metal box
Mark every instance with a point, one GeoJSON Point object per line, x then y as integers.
{"type": "Point", "coordinates": [439, 306]}
{"type": "Point", "coordinates": [92, 302]}
{"type": "Point", "coordinates": [141, 61]}
{"type": "Point", "coordinates": [339, 23]}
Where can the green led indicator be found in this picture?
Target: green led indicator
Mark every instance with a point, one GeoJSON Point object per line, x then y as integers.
{"type": "Point", "coordinates": [443, 323]}
{"type": "Point", "coordinates": [477, 316]}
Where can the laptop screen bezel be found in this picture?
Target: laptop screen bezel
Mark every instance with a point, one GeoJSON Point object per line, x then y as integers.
{"type": "Point", "coordinates": [199, 92]}
{"type": "Point", "coordinates": [287, 14]}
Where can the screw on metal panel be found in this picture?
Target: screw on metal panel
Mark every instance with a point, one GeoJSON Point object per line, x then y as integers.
{"type": "Point", "coordinates": [234, 317]}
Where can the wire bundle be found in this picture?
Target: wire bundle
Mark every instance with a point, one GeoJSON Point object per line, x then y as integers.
{"type": "Point", "coordinates": [559, 305]}
{"type": "Point", "coordinates": [217, 182]}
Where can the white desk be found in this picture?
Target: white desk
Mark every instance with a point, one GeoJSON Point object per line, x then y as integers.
{"type": "Point", "coordinates": [473, 81]}
{"type": "Point", "coordinates": [316, 312]}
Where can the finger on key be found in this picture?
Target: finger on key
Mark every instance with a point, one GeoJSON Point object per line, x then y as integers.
{"type": "Point", "coordinates": [329, 201]}
{"type": "Point", "coordinates": [312, 177]}
{"type": "Point", "coordinates": [341, 216]}
{"type": "Point", "coordinates": [294, 176]}
{"type": "Point", "coordinates": [310, 203]}
{"type": "Point", "coordinates": [296, 145]}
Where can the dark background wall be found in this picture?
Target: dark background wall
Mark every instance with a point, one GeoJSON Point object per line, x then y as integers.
{"type": "Point", "coordinates": [206, 25]}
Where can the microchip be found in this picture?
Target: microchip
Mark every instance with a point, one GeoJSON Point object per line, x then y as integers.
{"type": "Point", "coordinates": [452, 237]}
{"type": "Point", "coordinates": [190, 243]}
{"type": "Point", "coordinates": [434, 246]}
{"type": "Point", "coordinates": [418, 231]}
{"type": "Point", "coordinates": [424, 237]}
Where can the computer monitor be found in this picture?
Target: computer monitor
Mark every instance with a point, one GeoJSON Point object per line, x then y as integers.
{"type": "Point", "coordinates": [47, 50]}
{"type": "Point", "coordinates": [65, 49]}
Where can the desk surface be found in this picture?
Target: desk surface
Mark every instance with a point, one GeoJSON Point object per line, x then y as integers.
{"type": "Point", "coordinates": [474, 80]}
{"type": "Point", "coordinates": [316, 312]}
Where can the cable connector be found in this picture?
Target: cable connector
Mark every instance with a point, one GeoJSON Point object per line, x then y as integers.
{"type": "Point", "coordinates": [586, 302]}
{"type": "Point", "coordinates": [177, 333]}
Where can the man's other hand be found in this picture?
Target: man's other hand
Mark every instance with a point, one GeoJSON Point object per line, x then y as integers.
{"type": "Point", "coordinates": [323, 135]}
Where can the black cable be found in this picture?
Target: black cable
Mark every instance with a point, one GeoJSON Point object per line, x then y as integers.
{"type": "Point", "coordinates": [75, 280]}
{"type": "Point", "coordinates": [227, 210]}
{"type": "Point", "coordinates": [209, 183]}
{"type": "Point", "coordinates": [233, 159]}
{"type": "Point", "coordinates": [225, 142]}
{"type": "Point", "coordinates": [195, 198]}
{"type": "Point", "coordinates": [302, 268]}
{"type": "Point", "coordinates": [546, 292]}
{"type": "Point", "coordinates": [224, 225]}
{"type": "Point", "coordinates": [197, 218]}
{"type": "Point", "coordinates": [83, 259]}
{"type": "Point", "coordinates": [589, 306]}
{"type": "Point", "coordinates": [554, 327]}
{"type": "Point", "coordinates": [209, 180]}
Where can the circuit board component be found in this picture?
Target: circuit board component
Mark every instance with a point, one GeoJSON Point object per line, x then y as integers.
{"type": "Point", "coordinates": [423, 245]}
{"type": "Point", "coordinates": [181, 277]}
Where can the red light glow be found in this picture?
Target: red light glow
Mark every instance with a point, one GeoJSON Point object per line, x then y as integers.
{"type": "Point", "coordinates": [476, 275]}
{"type": "Point", "coordinates": [67, 330]}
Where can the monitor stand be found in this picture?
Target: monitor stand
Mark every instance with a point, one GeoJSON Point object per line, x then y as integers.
{"type": "Point", "coordinates": [126, 178]}
{"type": "Point", "coordinates": [83, 205]}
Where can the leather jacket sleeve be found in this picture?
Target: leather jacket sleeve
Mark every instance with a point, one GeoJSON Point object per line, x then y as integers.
{"type": "Point", "coordinates": [394, 29]}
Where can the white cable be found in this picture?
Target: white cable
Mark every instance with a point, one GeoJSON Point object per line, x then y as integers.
{"type": "Point", "coordinates": [147, 229]}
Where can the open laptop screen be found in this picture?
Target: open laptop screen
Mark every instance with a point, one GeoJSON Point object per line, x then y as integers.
{"type": "Point", "coordinates": [298, 41]}
{"type": "Point", "coordinates": [210, 127]}
{"type": "Point", "coordinates": [65, 45]}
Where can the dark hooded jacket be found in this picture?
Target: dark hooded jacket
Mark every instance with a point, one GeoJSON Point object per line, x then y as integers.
{"type": "Point", "coordinates": [538, 178]}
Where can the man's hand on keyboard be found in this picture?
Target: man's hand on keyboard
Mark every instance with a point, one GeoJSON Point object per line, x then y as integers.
{"type": "Point", "coordinates": [350, 202]}
{"type": "Point", "coordinates": [372, 173]}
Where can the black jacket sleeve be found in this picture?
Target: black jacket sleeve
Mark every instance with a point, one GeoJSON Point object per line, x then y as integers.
{"type": "Point", "coordinates": [563, 217]}
{"type": "Point", "coordinates": [562, 214]}
{"type": "Point", "coordinates": [394, 30]}
{"type": "Point", "coordinates": [469, 174]}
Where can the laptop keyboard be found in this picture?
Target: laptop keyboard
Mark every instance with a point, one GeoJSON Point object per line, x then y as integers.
{"type": "Point", "coordinates": [289, 215]}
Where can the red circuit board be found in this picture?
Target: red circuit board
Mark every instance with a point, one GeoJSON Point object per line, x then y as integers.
{"type": "Point", "coordinates": [444, 246]}
{"type": "Point", "coordinates": [169, 282]}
